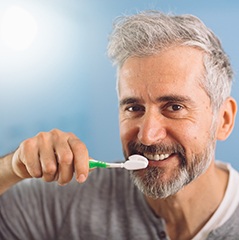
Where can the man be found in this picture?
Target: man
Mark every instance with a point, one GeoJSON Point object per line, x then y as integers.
{"type": "Point", "coordinates": [174, 82]}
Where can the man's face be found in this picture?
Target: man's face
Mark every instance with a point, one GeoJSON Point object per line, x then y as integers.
{"type": "Point", "coordinates": [165, 115]}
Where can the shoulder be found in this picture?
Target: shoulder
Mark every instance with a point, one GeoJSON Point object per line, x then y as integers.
{"type": "Point", "coordinates": [229, 230]}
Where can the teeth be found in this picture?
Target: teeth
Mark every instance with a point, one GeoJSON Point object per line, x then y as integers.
{"type": "Point", "coordinates": [157, 157]}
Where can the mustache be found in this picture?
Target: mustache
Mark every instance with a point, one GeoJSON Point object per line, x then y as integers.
{"type": "Point", "coordinates": [174, 148]}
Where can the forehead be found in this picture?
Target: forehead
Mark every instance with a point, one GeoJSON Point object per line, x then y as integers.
{"type": "Point", "coordinates": [177, 69]}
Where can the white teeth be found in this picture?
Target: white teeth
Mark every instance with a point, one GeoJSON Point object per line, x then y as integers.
{"type": "Point", "coordinates": [157, 157]}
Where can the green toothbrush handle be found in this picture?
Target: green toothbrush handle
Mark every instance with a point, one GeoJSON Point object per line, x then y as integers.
{"type": "Point", "coordinates": [97, 164]}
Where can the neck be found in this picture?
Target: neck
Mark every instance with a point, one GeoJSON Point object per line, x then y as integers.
{"type": "Point", "coordinates": [186, 212]}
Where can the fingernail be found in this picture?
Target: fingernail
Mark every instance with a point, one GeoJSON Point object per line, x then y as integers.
{"type": "Point", "coordinates": [62, 184]}
{"type": "Point", "coordinates": [81, 178]}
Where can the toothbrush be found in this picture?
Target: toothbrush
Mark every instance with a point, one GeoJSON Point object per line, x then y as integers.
{"type": "Point", "coordinates": [134, 162]}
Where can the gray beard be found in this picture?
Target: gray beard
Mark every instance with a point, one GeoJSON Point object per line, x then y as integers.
{"type": "Point", "coordinates": [150, 180]}
{"type": "Point", "coordinates": [150, 183]}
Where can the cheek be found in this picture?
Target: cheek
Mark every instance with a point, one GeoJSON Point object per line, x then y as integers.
{"type": "Point", "coordinates": [195, 137]}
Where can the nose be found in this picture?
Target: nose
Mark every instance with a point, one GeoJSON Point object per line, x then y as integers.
{"type": "Point", "coordinates": [152, 129]}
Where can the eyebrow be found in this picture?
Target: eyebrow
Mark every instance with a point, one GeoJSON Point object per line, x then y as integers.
{"type": "Point", "coordinates": [175, 98]}
{"type": "Point", "coordinates": [166, 98]}
{"type": "Point", "coordinates": [129, 100]}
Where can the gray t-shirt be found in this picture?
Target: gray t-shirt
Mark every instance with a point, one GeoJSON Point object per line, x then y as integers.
{"type": "Point", "coordinates": [107, 206]}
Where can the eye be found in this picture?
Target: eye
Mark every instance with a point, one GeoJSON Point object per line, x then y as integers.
{"type": "Point", "coordinates": [132, 111]}
{"type": "Point", "coordinates": [174, 110]}
{"type": "Point", "coordinates": [175, 107]}
{"type": "Point", "coordinates": [135, 108]}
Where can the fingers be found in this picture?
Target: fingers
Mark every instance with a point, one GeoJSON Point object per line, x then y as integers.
{"type": "Point", "coordinates": [65, 160]}
{"type": "Point", "coordinates": [72, 156]}
{"type": "Point", "coordinates": [46, 156]}
{"type": "Point", "coordinates": [53, 155]}
{"type": "Point", "coordinates": [25, 161]}
{"type": "Point", "coordinates": [81, 159]}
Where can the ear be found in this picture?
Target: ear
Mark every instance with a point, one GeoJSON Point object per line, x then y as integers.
{"type": "Point", "coordinates": [227, 117]}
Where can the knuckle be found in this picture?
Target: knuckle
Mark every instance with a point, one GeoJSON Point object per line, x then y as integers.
{"type": "Point", "coordinates": [36, 173]}
{"type": "Point", "coordinates": [50, 169]}
{"type": "Point", "coordinates": [29, 143]}
{"type": "Point", "coordinates": [43, 136]}
{"type": "Point", "coordinates": [66, 158]}
{"type": "Point", "coordinates": [76, 142]}
{"type": "Point", "coordinates": [82, 147]}
{"type": "Point", "coordinates": [71, 135]}
{"type": "Point", "coordinates": [55, 131]}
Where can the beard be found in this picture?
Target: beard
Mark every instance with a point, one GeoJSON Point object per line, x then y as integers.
{"type": "Point", "coordinates": [152, 180]}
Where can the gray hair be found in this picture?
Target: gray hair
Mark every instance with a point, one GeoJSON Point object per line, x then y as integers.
{"type": "Point", "coordinates": [148, 33]}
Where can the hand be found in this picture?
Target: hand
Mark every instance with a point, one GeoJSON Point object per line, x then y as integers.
{"type": "Point", "coordinates": [52, 156]}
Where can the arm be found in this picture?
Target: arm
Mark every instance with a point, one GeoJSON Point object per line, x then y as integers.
{"type": "Point", "coordinates": [52, 156]}
{"type": "Point", "coordinates": [7, 176]}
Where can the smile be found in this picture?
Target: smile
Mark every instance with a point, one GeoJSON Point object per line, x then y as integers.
{"type": "Point", "coordinates": [157, 157]}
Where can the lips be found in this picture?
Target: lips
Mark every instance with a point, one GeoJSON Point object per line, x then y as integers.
{"type": "Point", "coordinates": [157, 153]}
